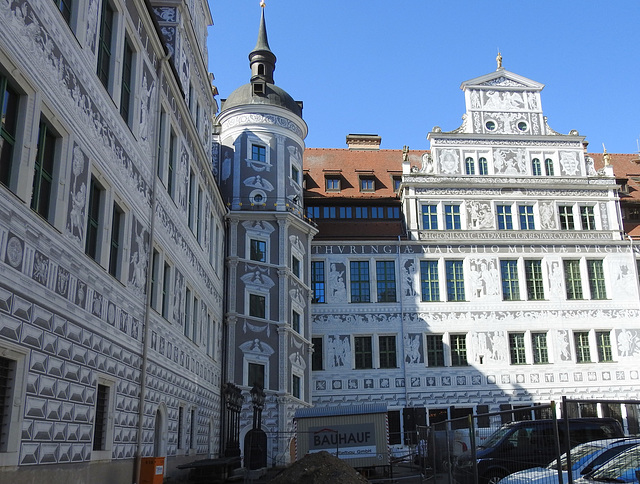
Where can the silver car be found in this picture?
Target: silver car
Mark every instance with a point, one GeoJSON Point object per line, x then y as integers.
{"type": "Point", "coordinates": [625, 467]}
{"type": "Point", "coordinates": [584, 459]}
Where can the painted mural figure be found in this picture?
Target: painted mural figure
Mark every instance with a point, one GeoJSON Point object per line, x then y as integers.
{"type": "Point", "coordinates": [337, 284]}
{"type": "Point", "coordinates": [412, 349]}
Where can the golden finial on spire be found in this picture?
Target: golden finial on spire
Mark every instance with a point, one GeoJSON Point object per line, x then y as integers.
{"type": "Point", "coordinates": [606, 156]}
{"type": "Point", "coordinates": [499, 60]}
{"type": "Point", "coordinates": [262, 4]}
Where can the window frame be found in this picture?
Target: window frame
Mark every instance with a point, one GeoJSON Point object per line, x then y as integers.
{"type": "Point", "coordinates": [517, 349]}
{"type": "Point", "coordinates": [106, 452]}
{"type": "Point", "coordinates": [435, 351]}
{"type": "Point", "coordinates": [469, 166]}
{"type": "Point", "coordinates": [318, 286]}
{"type": "Point", "coordinates": [429, 216]}
{"type": "Point", "coordinates": [367, 183]}
{"type": "Point", "coordinates": [510, 280]}
{"type": "Point", "coordinates": [566, 217]}
{"type": "Point", "coordinates": [582, 346]}
{"type": "Point", "coordinates": [317, 356]}
{"type": "Point", "coordinates": [359, 285]}
{"type": "Point", "coordinates": [106, 52]}
{"type": "Point", "coordinates": [250, 249]}
{"type": "Point", "coordinates": [604, 346]}
{"type": "Point", "coordinates": [11, 132]}
{"type": "Point", "coordinates": [387, 353]}
{"type": "Point", "coordinates": [504, 216]}
{"type": "Point", "coordinates": [19, 356]}
{"type": "Point", "coordinates": [459, 356]}
{"type": "Point", "coordinates": [452, 216]}
{"type": "Point", "coordinates": [454, 270]}
{"type": "Point", "coordinates": [386, 289]}
{"type": "Point", "coordinates": [595, 275]}
{"type": "Point", "coordinates": [534, 279]}
{"type": "Point", "coordinates": [587, 217]}
{"type": "Point", "coordinates": [573, 279]}
{"type": "Point", "coordinates": [116, 240]}
{"type": "Point", "coordinates": [253, 299]}
{"type": "Point", "coordinates": [332, 183]}
{"type": "Point", "coordinates": [536, 167]}
{"type": "Point", "coordinates": [430, 280]}
{"type": "Point", "coordinates": [362, 356]}
{"type": "Point", "coordinates": [540, 351]}
{"type": "Point", "coordinates": [526, 217]}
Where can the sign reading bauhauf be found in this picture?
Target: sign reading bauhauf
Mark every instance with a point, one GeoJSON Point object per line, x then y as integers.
{"type": "Point", "coordinates": [347, 441]}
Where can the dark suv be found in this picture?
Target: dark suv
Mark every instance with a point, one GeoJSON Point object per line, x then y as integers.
{"type": "Point", "coordinates": [521, 445]}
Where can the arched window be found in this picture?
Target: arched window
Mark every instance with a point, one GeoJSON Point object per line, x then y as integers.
{"type": "Point", "coordinates": [483, 168]}
{"type": "Point", "coordinates": [261, 69]}
{"type": "Point", "coordinates": [469, 166]}
{"type": "Point", "coordinates": [548, 167]}
{"type": "Point", "coordinates": [536, 168]}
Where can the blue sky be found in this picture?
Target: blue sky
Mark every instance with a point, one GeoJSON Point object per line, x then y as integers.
{"type": "Point", "coordinates": [394, 68]}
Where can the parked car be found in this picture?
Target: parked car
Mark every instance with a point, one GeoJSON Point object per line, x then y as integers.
{"type": "Point", "coordinates": [585, 458]}
{"type": "Point", "coordinates": [625, 467]}
{"type": "Point", "coordinates": [531, 443]}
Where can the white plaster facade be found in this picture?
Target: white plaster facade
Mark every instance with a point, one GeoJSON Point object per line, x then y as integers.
{"type": "Point", "coordinates": [514, 284]}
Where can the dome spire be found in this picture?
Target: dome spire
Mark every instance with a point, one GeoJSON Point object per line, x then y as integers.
{"type": "Point", "coordinates": [261, 59]}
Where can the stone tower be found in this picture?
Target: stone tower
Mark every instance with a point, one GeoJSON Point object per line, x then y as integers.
{"type": "Point", "coordinates": [259, 166]}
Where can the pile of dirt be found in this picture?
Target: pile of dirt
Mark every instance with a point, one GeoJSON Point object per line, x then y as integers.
{"type": "Point", "coordinates": [319, 468]}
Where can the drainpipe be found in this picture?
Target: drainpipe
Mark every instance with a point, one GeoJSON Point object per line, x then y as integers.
{"type": "Point", "coordinates": [147, 311]}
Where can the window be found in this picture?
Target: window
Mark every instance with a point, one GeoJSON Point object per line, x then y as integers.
{"type": "Point", "coordinates": [429, 217]}
{"type": "Point", "coordinates": [166, 287]}
{"type": "Point", "coordinates": [566, 217]}
{"type": "Point", "coordinates": [386, 281]}
{"type": "Point", "coordinates": [572, 279]}
{"type": "Point", "coordinates": [483, 168]}
{"type": "Point", "coordinates": [100, 425]}
{"type": "Point", "coordinates": [7, 384]}
{"type": "Point", "coordinates": [469, 166]}
{"type": "Point", "coordinates": [187, 312]}
{"type": "Point", "coordinates": [258, 153]}
{"type": "Point", "coordinates": [387, 347]}
{"type": "Point", "coordinates": [510, 285]}
{"type": "Point", "coordinates": [192, 429]}
{"type": "Point", "coordinates": [596, 279]}
{"type": "Point", "coordinates": [517, 349]}
{"type": "Point", "coordinates": [316, 356]}
{"type": "Point", "coordinates": [455, 280]}
{"type": "Point", "coordinates": [115, 249]}
{"type": "Point", "coordinates": [536, 168]}
{"type": "Point", "coordinates": [332, 184]}
{"type": "Point", "coordinates": [397, 181]}
{"type": "Point", "coordinates": [548, 166]}
{"type": "Point", "coordinates": [257, 306]}
{"type": "Point", "coordinates": [526, 217]}
{"type": "Point", "coordinates": [155, 271]}
{"type": "Point", "coordinates": [539, 347]}
{"type": "Point", "coordinates": [191, 201]}
{"type": "Point", "coordinates": [359, 281]}
{"type": "Point", "coordinates": [367, 184]}
{"type": "Point", "coordinates": [581, 339]}
{"type": "Point", "coordinates": [104, 43]}
{"type": "Point", "coordinates": [317, 282]}
{"type": "Point", "coordinates": [452, 217]}
{"type": "Point", "coordinates": [295, 386]}
{"type": "Point", "coordinates": [171, 164]}
{"type": "Point", "coordinates": [196, 320]}
{"type": "Point", "coordinates": [42, 194]}
{"type": "Point", "coordinates": [127, 81]}
{"type": "Point", "coordinates": [329, 212]}
{"type": "Point", "coordinates": [587, 217]}
{"type": "Point", "coordinates": [94, 219]}
{"type": "Point", "coordinates": [295, 321]}
{"type": "Point", "coordinates": [255, 375]}
{"type": "Point", "coordinates": [295, 174]}
{"type": "Point", "coordinates": [458, 344]}
{"type": "Point", "coordinates": [363, 352]}
{"type": "Point", "coordinates": [345, 212]}
{"type": "Point", "coordinates": [295, 266]}
{"type": "Point", "coordinates": [65, 9]}
{"type": "Point", "coordinates": [603, 340]}
{"type": "Point", "coordinates": [429, 280]}
{"type": "Point", "coordinates": [435, 350]}
{"type": "Point", "coordinates": [258, 250]}
{"type": "Point", "coordinates": [9, 104]}
{"type": "Point", "coordinates": [504, 217]}
{"type": "Point", "coordinates": [533, 273]}
{"type": "Point", "coordinates": [198, 232]}
{"type": "Point", "coordinates": [180, 444]}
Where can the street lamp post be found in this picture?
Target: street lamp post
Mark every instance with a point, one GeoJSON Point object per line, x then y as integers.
{"type": "Point", "coordinates": [255, 442]}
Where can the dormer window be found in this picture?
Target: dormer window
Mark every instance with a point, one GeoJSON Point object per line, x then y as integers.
{"type": "Point", "coordinates": [261, 69]}
{"type": "Point", "coordinates": [367, 184]}
{"type": "Point", "coordinates": [332, 184]}
{"type": "Point", "coordinates": [258, 88]}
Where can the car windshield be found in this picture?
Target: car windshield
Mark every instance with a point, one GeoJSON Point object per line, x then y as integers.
{"type": "Point", "coordinates": [495, 437]}
{"type": "Point", "coordinates": [577, 453]}
{"type": "Point", "coordinates": [619, 465]}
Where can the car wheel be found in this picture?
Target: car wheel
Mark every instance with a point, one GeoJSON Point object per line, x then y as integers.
{"type": "Point", "coordinates": [493, 478]}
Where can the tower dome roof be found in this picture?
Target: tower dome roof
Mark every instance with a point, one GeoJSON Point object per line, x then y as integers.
{"type": "Point", "coordinates": [261, 89]}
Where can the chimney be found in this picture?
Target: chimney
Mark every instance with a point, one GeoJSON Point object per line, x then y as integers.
{"type": "Point", "coordinates": [363, 141]}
